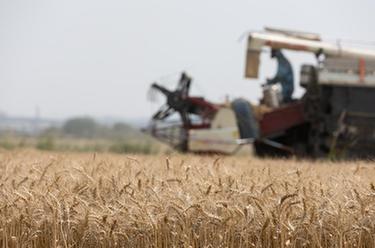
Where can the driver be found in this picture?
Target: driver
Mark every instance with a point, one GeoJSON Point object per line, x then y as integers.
{"type": "Point", "coordinates": [284, 75]}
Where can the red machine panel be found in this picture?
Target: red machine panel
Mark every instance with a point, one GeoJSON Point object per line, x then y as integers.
{"type": "Point", "coordinates": [282, 119]}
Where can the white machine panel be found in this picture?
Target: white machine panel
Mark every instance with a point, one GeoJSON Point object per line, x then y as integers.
{"type": "Point", "coordinates": [345, 79]}
{"type": "Point", "coordinates": [222, 137]}
{"type": "Point", "coordinates": [347, 72]}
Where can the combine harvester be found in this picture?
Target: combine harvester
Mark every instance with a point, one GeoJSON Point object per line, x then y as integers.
{"type": "Point", "coordinates": [334, 117]}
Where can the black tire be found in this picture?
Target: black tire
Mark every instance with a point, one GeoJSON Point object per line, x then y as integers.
{"type": "Point", "coordinates": [246, 121]}
{"type": "Point", "coordinates": [263, 150]}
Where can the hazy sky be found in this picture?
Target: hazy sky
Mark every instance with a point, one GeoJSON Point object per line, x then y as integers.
{"type": "Point", "coordinates": [92, 57]}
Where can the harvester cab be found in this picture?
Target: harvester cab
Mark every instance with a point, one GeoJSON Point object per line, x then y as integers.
{"type": "Point", "coordinates": [338, 103]}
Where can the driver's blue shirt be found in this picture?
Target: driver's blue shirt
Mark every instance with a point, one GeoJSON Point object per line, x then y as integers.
{"type": "Point", "coordinates": [284, 76]}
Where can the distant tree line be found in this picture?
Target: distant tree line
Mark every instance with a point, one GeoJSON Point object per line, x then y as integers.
{"type": "Point", "coordinates": [84, 134]}
{"type": "Point", "coordinates": [88, 128]}
{"type": "Point", "coordinates": [117, 138]}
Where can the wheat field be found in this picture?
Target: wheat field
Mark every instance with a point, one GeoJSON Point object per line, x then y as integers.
{"type": "Point", "coordinates": [102, 200]}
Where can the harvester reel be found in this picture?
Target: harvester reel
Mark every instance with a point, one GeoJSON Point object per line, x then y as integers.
{"type": "Point", "coordinates": [175, 99]}
{"type": "Point", "coordinates": [173, 132]}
